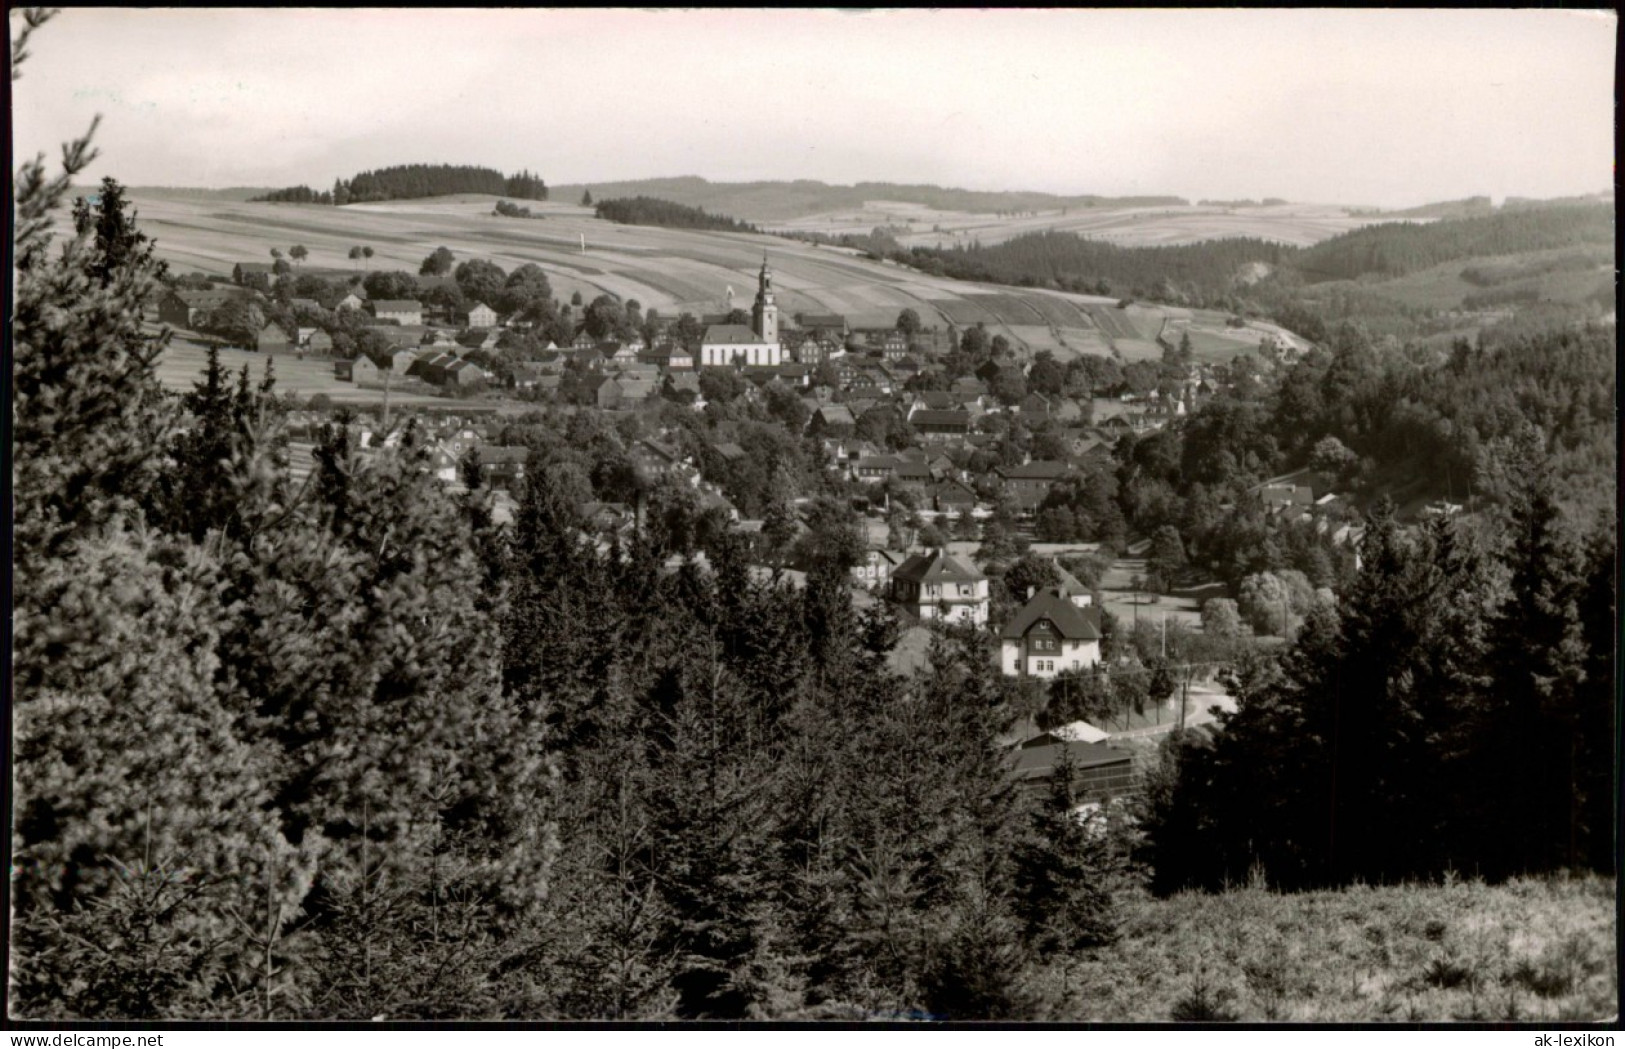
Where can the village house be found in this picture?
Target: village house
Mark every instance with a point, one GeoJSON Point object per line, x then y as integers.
{"type": "Point", "coordinates": [479, 339]}
{"type": "Point", "coordinates": [936, 585]}
{"type": "Point", "coordinates": [350, 301]}
{"type": "Point", "coordinates": [618, 392]}
{"type": "Point", "coordinates": [1059, 629]}
{"type": "Point", "coordinates": [400, 336]}
{"type": "Point", "coordinates": [401, 360]}
{"type": "Point", "coordinates": [191, 309]}
{"type": "Point", "coordinates": [940, 425]}
{"type": "Point", "coordinates": [445, 369]}
{"type": "Point", "coordinates": [618, 352]}
{"type": "Point", "coordinates": [502, 466]}
{"type": "Point", "coordinates": [931, 401]}
{"type": "Point", "coordinates": [272, 339]}
{"type": "Point", "coordinates": [1295, 499]}
{"type": "Point", "coordinates": [360, 370]}
{"type": "Point", "coordinates": [1032, 479]}
{"type": "Point", "coordinates": [913, 473]}
{"type": "Point", "coordinates": [402, 311]}
{"type": "Point", "coordinates": [670, 356]}
{"type": "Point", "coordinates": [684, 386]}
{"type": "Point", "coordinates": [820, 349]}
{"type": "Point", "coordinates": [656, 458]}
{"type": "Point", "coordinates": [481, 316]}
{"type": "Point", "coordinates": [830, 416]}
{"type": "Point", "coordinates": [953, 497]}
{"type": "Point", "coordinates": [526, 376]}
{"type": "Point", "coordinates": [875, 570]}
{"type": "Point", "coordinates": [874, 468]}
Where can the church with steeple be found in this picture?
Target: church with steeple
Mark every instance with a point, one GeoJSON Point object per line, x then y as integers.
{"type": "Point", "coordinates": [724, 345]}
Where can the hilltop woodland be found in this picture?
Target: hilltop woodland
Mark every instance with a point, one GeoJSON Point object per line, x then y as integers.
{"type": "Point", "coordinates": [648, 211]}
{"type": "Point", "coordinates": [414, 181]}
{"type": "Point", "coordinates": [348, 749]}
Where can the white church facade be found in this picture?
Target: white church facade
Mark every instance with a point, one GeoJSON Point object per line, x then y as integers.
{"type": "Point", "coordinates": [724, 345]}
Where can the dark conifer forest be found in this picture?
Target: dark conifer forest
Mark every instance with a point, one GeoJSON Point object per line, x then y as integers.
{"type": "Point", "coordinates": [648, 211]}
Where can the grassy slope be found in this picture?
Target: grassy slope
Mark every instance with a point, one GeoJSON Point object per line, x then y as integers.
{"type": "Point", "coordinates": [1528, 950]}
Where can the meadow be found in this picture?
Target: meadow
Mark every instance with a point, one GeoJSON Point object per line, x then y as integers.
{"type": "Point", "coordinates": [1529, 950]}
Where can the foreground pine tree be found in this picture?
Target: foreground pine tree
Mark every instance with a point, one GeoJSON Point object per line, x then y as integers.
{"type": "Point", "coordinates": [254, 723]}
{"type": "Point", "coordinates": [146, 856]}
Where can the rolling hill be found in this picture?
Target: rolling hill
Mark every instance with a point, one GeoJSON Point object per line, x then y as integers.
{"type": "Point", "coordinates": [783, 201]}
{"type": "Point", "coordinates": [668, 269]}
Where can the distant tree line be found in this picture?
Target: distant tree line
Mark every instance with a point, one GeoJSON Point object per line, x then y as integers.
{"type": "Point", "coordinates": [1242, 203]}
{"type": "Point", "coordinates": [1073, 263]}
{"type": "Point", "coordinates": [294, 195]}
{"type": "Point", "coordinates": [413, 181]}
{"type": "Point", "coordinates": [650, 211]}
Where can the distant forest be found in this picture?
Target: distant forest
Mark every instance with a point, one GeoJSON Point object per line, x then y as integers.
{"type": "Point", "coordinates": [649, 211]}
{"type": "Point", "coordinates": [294, 195]}
{"type": "Point", "coordinates": [414, 181]}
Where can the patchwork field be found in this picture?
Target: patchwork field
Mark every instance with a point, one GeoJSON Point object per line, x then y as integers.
{"type": "Point", "coordinates": [915, 225]}
{"type": "Point", "coordinates": [669, 270]}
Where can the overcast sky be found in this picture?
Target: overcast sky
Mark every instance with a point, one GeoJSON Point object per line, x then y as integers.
{"type": "Point", "coordinates": [1387, 108]}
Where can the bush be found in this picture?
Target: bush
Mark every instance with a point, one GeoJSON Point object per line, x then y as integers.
{"type": "Point", "coordinates": [1205, 1004]}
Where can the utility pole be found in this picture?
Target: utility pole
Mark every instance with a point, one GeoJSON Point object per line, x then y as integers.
{"type": "Point", "coordinates": [387, 374]}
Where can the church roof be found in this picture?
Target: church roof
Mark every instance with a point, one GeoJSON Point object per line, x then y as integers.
{"type": "Point", "coordinates": [729, 335]}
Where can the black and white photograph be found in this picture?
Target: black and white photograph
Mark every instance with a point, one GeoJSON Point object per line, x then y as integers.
{"type": "Point", "coordinates": [878, 518]}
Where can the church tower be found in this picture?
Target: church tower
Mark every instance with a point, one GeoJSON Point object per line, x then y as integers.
{"type": "Point", "coordinates": [765, 315]}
